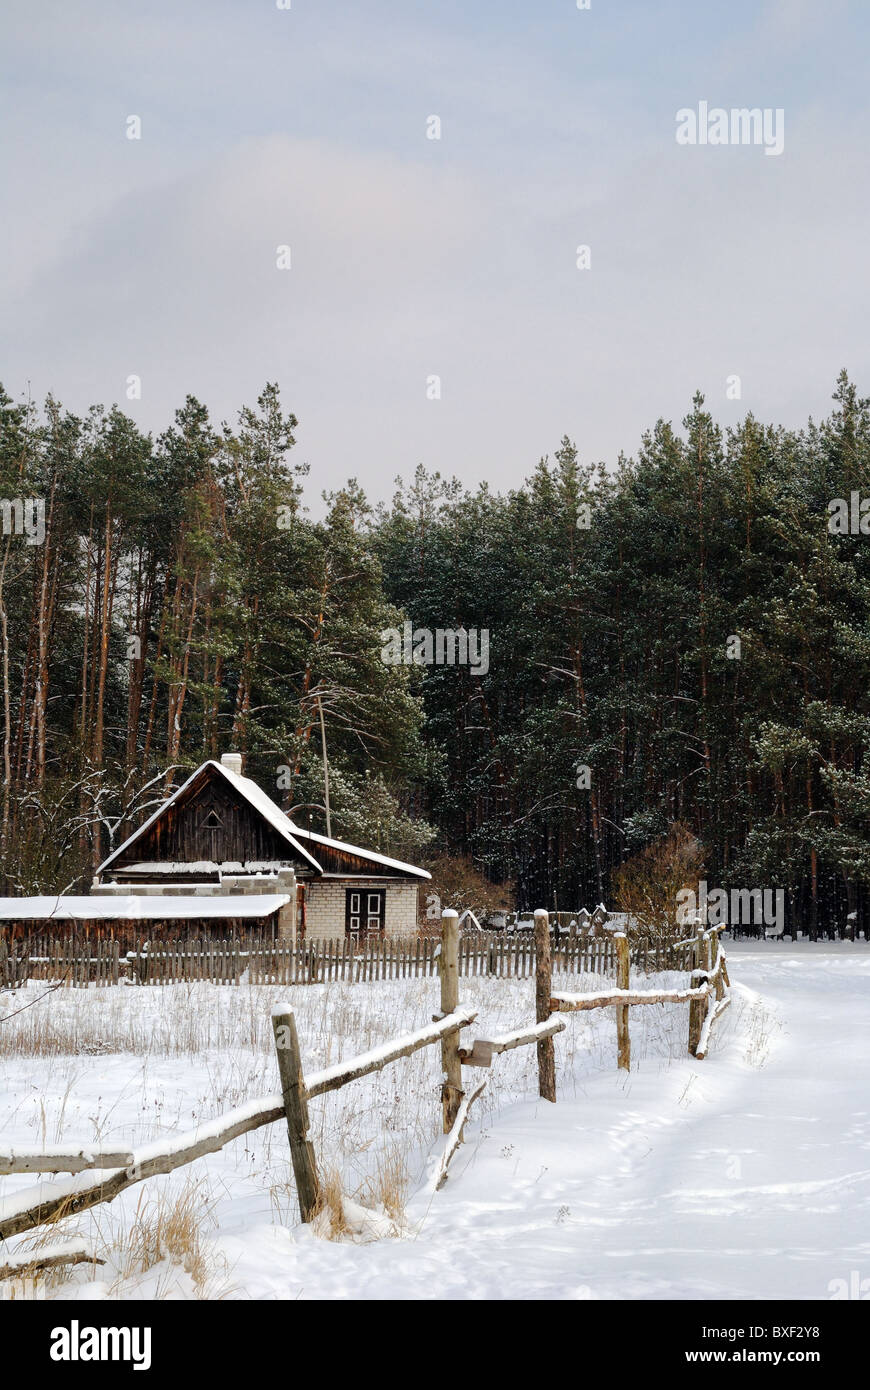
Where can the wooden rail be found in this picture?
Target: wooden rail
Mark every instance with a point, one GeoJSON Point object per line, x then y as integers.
{"type": "Point", "coordinates": [454, 1138]}
{"type": "Point", "coordinates": [705, 996]}
{"type": "Point", "coordinates": [99, 1175]}
{"type": "Point", "coordinates": [68, 1252]}
{"type": "Point", "coordinates": [50, 1201]}
{"type": "Point", "coordinates": [60, 1159]}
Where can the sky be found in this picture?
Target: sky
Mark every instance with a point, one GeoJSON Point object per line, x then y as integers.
{"type": "Point", "coordinates": [414, 258]}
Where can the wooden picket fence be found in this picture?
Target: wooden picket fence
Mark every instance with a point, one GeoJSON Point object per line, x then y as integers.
{"type": "Point", "coordinates": [258, 957]}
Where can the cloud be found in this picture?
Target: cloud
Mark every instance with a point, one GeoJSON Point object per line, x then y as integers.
{"type": "Point", "coordinates": [412, 258]}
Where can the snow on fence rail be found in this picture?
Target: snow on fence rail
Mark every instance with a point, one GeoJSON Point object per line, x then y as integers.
{"type": "Point", "coordinates": [66, 1252]}
{"type": "Point", "coordinates": [259, 958]}
{"type": "Point", "coordinates": [91, 1184]}
{"type": "Point", "coordinates": [706, 995]}
{"type": "Point", "coordinates": [49, 1202]}
{"type": "Point", "coordinates": [61, 1159]}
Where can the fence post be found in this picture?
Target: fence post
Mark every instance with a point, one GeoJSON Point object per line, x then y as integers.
{"type": "Point", "coordinates": [296, 1110]}
{"type": "Point", "coordinates": [448, 966]}
{"type": "Point", "coordinates": [623, 967]}
{"type": "Point", "coordinates": [543, 991]}
{"type": "Point", "coordinates": [697, 1007]}
{"type": "Point", "coordinates": [714, 941]}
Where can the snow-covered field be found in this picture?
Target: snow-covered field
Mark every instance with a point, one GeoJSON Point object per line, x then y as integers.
{"type": "Point", "coordinates": [745, 1175]}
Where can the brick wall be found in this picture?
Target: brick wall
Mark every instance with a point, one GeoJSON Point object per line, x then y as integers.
{"type": "Point", "coordinates": [325, 907]}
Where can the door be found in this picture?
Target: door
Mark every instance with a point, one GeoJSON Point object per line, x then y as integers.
{"type": "Point", "coordinates": [365, 910]}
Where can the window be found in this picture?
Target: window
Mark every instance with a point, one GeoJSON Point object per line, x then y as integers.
{"type": "Point", "coordinates": [365, 909]}
{"type": "Point", "coordinates": [212, 822]}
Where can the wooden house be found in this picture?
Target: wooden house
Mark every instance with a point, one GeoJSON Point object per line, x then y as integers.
{"type": "Point", "coordinates": [220, 836]}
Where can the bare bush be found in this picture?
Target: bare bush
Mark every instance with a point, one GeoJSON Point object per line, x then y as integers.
{"type": "Point", "coordinates": [646, 886]}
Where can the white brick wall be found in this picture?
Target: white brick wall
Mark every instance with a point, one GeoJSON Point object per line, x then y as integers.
{"type": "Point", "coordinates": [325, 904]}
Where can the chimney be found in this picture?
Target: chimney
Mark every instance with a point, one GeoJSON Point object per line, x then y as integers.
{"type": "Point", "coordinates": [232, 762]}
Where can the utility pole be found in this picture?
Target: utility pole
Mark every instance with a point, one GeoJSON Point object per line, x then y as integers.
{"type": "Point", "coordinates": [325, 769]}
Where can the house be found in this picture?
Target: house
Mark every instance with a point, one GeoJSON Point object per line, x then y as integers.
{"type": "Point", "coordinates": [219, 836]}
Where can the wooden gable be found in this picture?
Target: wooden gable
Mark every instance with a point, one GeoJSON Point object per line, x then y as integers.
{"type": "Point", "coordinates": [210, 822]}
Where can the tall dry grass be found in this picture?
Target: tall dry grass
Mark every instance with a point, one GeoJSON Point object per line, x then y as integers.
{"type": "Point", "coordinates": [103, 1065]}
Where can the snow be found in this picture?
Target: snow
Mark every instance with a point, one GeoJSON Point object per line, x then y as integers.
{"type": "Point", "coordinates": [639, 996]}
{"type": "Point", "coordinates": [201, 866]}
{"type": "Point", "coordinates": [131, 907]}
{"type": "Point", "coordinates": [62, 1250]}
{"type": "Point", "coordinates": [389, 1051]}
{"type": "Point", "coordinates": [293, 834]}
{"type": "Point", "coordinates": [206, 866]}
{"type": "Point", "coordinates": [365, 853]}
{"type": "Point", "coordinates": [253, 795]}
{"type": "Point", "coordinates": [746, 1175]}
{"type": "Point", "coordinates": [714, 1010]}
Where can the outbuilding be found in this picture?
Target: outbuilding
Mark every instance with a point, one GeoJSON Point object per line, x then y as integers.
{"type": "Point", "coordinates": [220, 835]}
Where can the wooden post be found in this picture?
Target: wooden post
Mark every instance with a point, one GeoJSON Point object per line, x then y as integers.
{"type": "Point", "coordinates": [697, 1007]}
{"type": "Point", "coordinates": [296, 1110]}
{"type": "Point", "coordinates": [697, 1014]}
{"type": "Point", "coordinates": [699, 948]}
{"type": "Point", "coordinates": [623, 966]}
{"type": "Point", "coordinates": [448, 965]}
{"type": "Point", "coordinates": [714, 941]}
{"type": "Point", "coordinates": [543, 990]}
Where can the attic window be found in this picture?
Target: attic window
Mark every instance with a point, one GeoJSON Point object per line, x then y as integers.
{"type": "Point", "coordinates": [212, 822]}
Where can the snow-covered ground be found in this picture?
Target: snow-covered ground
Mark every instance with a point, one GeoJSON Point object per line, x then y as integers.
{"type": "Point", "coordinates": [745, 1175]}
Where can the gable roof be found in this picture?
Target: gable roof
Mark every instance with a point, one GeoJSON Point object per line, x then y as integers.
{"type": "Point", "coordinates": [327, 843]}
{"type": "Point", "coordinates": [255, 797]}
{"type": "Point", "coordinates": [275, 817]}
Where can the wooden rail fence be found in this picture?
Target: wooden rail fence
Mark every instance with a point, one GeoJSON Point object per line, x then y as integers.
{"type": "Point", "coordinates": [99, 1175]}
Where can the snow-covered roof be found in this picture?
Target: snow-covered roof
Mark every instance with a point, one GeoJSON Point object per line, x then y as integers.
{"type": "Point", "coordinates": [163, 866]}
{"type": "Point", "coordinates": [268, 810]}
{"type": "Point", "coordinates": [204, 866]}
{"type": "Point", "coordinates": [355, 849]}
{"type": "Point", "coordinates": [130, 908]}
{"type": "Point", "coordinates": [285, 827]}
{"type": "Point", "coordinates": [252, 794]}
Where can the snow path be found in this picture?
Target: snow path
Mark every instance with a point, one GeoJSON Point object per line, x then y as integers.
{"type": "Point", "coordinates": [743, 1176]}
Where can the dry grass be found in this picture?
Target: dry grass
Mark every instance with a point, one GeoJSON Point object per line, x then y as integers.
{"type": "Point", "coordinates": [759, 1026]}
{"type": "Point", "coordinates": [388, 1186]}
{"type": "Point", "coordinates": [129, 1066]}
{"type": "Point", "coordinates": [168, 1227]}
{"type": "Point", "coordinates": [331, 1220]}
